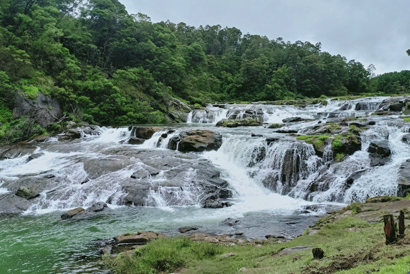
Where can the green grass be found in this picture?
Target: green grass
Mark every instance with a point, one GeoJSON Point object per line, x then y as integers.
{"type": "Point", "coordinates": [406, 119]}
{"type": "Point", "coordinates": [350, 245]}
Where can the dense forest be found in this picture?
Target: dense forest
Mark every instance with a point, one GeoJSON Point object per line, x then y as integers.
{"type": "Point", "coordinates": [110, 67]}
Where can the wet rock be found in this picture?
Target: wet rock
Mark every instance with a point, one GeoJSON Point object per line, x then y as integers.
{"type": "Point", "coordinates": [271, 140]}
{"type": "Point", "coordinates": [145, 172]}
{"type": "Point", "coordinates": [185, 180]}
{"type": "Point", "coordinates": [211, 203]}
{"type": "Point", "coordinates": [12, 204]}
{"type": "Point", "coordinates": [14, 151]}
{"type": "Point", "coordinates": [140, 238]}
{"type": "Point", "coordinates": [295, 119]}
{"type": "Point", "coordinates": [353, 177]}
{"type": "Point", "coordinates": [70, 134]}
{"type": "Point", "coordinates": [288, 131]}
{"type": "Point", "coordinates": [34, 156]}
{"type": "Point", "coordinates": [144, 132]}
{"type": "Point", "coordinates": [97, 207]}
{"type": "Point", "coordinates": [231, 222]}
{"type": "Point", "coordinates": [379, 152]}
{"type": "Point", "coordinates": [275, 126]}
{"type": "Point", "coordinates": [70, 214]}
{"type": "Point", "coordinates": [404, 179]}
{"type": "Point", "coordinates": [396, 106]}
{"type": "Point", "coordinates": [371, 123]}
{"type": "Point", "coordinates": [247, 122]}
{"type": "Point", "coordinates": [186, 229]}
{"type": "Point", "coordinates": [258, 155]}
{"type": "Point", "coordinates": [27, 193]}
{"type": "Point", "coordinates": [406, 138]}
{"type": "Point", "coordinates": [95, 167]}
{"type": "Point", "coordinates": [135, 141]}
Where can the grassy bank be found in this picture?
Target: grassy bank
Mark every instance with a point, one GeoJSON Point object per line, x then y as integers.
{"type": "Point", "coordinates": [351, 239]}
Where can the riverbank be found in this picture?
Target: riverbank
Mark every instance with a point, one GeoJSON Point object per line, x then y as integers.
{"type": "Point", "coordinates": [352, 240]}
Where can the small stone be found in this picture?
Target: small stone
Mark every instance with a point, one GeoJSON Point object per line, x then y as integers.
{"type": "Point", "coordinates": [231, 221]}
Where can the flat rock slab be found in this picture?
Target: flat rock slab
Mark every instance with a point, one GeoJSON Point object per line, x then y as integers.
{"type": "Point", "coordinates": [209, 238]}
{"type": "Point", "coordinates": [140, 238]}
{"type": "Point", "coordinates": [294, 249]}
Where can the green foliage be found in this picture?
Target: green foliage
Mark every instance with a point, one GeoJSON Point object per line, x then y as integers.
{"type": "Point", "coordinates": [337, 143]}
{"type": "Point", "coordinates": [339, 156]}
{"type": "Point", "coordinates": [19, 130]}
{"type": "Point", "coordinates": [5, 112]}
{"type": "Point", "coordinates": [115, 68]}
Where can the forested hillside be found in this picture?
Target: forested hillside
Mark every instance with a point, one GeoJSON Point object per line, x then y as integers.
{"type": "Point", "coordinates": [110, 67]}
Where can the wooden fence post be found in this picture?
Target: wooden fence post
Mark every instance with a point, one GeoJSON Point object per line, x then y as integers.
{"type": "Point", "coordinates": [401, 224]}
{"type": "Point", "coordinates": [389, 229]}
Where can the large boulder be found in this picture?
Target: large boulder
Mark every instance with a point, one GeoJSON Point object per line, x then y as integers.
{"type": "Point", "coordinates": [144, 132]}
{"type": "Point", "coordinates": [12, 204]}
{"type": "Point", "coordinates": [196, 141]}
{"type": "Point", "coordinates": [379, 152]}
{"type": "Point", "coordinates": [44, 110]}
{"type": "Point", "coordinates": [178, 111]}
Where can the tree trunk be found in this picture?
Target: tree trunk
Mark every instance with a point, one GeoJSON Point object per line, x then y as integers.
{"type": "Point", "coordinates": [389, 229]}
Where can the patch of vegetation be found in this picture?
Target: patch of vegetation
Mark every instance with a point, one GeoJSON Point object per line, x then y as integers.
{"type": "Point", "coordinates": [355, 208]}
{"type": "Point", "coordinates": [318, 141]}
{"type": "Point", "coordinates": [337, 143]}
{"type": "Point", "coordinates": [406, 119]}
{"type": "Point", "coordinates": [163, 256]}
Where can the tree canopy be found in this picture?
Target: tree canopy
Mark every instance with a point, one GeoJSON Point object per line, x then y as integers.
{"type": "Point", "coordinates": [120, 68]}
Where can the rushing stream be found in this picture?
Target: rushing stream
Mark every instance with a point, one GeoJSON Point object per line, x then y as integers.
{"type": "Point", "coordinates": [271, 181]}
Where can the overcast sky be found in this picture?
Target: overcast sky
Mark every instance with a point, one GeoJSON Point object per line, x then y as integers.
{"type": "Point", "coordinates": [370, 31]}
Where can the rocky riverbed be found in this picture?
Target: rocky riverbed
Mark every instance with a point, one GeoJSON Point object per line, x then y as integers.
{"type": "Point", "coordinates": [293, 162]}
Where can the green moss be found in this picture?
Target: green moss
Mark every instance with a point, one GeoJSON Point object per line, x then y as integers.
{"type": "Point", "coordinates": [318, 141]}
{"type": "Point", "coordinates": [30, 91]}
{"type": "Point", "coordinates": [406, 119]}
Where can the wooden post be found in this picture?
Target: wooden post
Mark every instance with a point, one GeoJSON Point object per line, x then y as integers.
{"type": "Point", "coordinates": [389, 229]}
{"type": "Point", "coordinates": [401, 224]}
